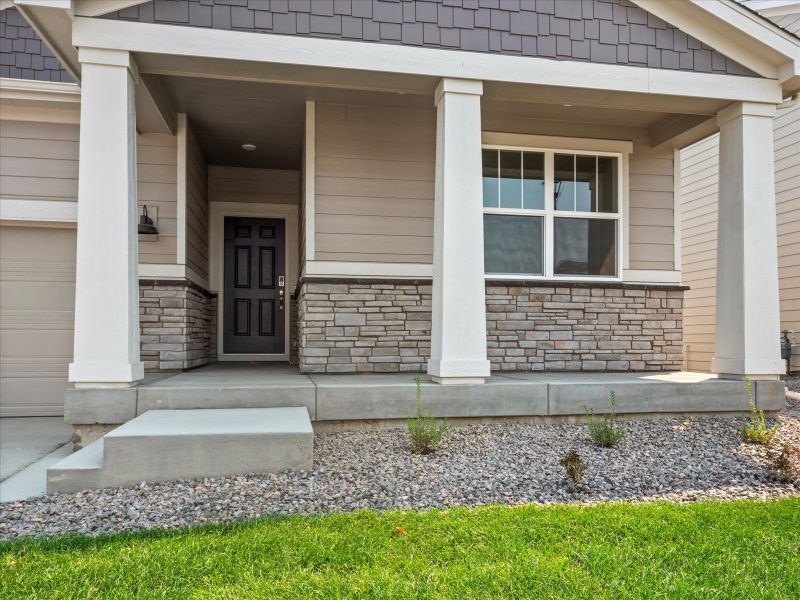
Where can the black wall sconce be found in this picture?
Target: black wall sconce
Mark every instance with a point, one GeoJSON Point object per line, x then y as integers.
{"type": "Point", "coordinates": [146, 225]}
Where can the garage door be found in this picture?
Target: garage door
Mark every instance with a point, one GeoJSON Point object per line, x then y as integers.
{"type": "Point", "coordinates": [37, 298]}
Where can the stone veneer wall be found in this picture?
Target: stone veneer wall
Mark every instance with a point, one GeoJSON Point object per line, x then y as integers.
{"type": "Point", "coordinates": [368, 326]}
{"type": "Point", "coordinates": [584, 327]}
{"type": "Point", "coordinates": [364, 326]}
{"type": "Point", "coordinates": [178, 325]}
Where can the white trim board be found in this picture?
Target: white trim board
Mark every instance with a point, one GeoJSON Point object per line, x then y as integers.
{"type": "Point", "coordinates": [182, 162]}
{"type": "Point", "coordinates": [309, 175]}
{"type": "Point", "coordinates": [217, 213]}
{"type": "Point", "coordinates": [38, 211]}
{"type": "Point", "coordinates": [331, 268]}
{"type": "Point", "coordinates": [432, 62]}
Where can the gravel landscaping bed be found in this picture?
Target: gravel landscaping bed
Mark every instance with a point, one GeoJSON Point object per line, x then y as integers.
{"type": "Point", "coordinates": [792, 382]}
{"type": "Point", "coordinates": [680, 460]}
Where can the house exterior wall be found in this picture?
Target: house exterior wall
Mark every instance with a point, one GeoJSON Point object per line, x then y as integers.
{"type": "Point", "coordinates": [699, 198]}
{"type": "Point", "coordinates": [371, 326]}
{"type": "Point", "coordinates": [39, 160]}
{"type": "Point", "coordinates": [196, 207]}
{"type": "Point", "coordinates": [268, 186]}
{"type": "Point", "coordinates": [601, 31]}
{"type": "Point", "coordinates": [374, 183]}
{"type": "Point", "coordinates": [156, 158]}
{"type": "Point", "coordinates": [178, 325]}
{"type": "Point", "coordinates": [23, 54]}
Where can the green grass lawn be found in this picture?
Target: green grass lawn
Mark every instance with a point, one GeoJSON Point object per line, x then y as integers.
{"type": "Point", "coordinates": [743, 549]}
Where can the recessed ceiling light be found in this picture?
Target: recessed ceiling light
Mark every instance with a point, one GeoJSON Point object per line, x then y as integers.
{"type": "Point", "coordinates": [567, 105]}
{"type": "Point", "coordinates": [249, 146]}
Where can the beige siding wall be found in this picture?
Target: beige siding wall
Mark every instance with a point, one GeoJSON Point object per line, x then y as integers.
{"type": "Point", "coordinates": [38, 161]}
{"type": "Point", "coordinates": [196, 207]}
{"type": "Point", "coordinates": [269, 186]}
{"type": "Point", "coordinates": [698, 184]}
{"type": "Point", "coordinates": [374, 183]}
{"type": "Point", "coordinates": [157, 157]}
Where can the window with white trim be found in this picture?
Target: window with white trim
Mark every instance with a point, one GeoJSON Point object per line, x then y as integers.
{"type": "Point", "coordinates": [551, 213]}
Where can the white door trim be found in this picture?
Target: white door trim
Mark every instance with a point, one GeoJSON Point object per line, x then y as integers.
{"type": "Point", "coordinates": [217, 213]}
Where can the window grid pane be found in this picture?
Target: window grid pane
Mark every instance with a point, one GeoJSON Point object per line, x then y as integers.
{"type": "Point", "coordinates": [491, 183]}
{"type": "Point", "coordinates": [510, 179]}
{"type": "Point", "coordinates": [513, 244]}
{"type": "Point", "coordinates": [582, 183]}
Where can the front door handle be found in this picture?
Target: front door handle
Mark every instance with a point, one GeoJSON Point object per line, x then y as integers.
{"type": "Point", "coordinates": [280, 295]}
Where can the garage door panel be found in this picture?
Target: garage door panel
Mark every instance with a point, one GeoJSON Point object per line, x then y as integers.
{"type": "Point", "coordinates": [37, 297]}
{"type": "Point", "coordinates": [39, 397]}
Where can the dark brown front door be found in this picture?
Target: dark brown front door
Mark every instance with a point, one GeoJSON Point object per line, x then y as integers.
{"type": "Point", "coordinates": [254, 286]}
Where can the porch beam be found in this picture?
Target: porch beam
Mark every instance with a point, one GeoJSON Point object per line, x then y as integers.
{"type": "Point", "coordinates": [747, 311]}
{"type": "Point", "coordinates": [458, 328]}
{"type": "Point", "coordinates": [106, 283]}
{"type": "Point", "coordinates": [426, 62]}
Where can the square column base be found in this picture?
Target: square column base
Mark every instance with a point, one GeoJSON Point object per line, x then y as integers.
{"type": "Point", "coordinates": [740, 368]}
{"type": "Point", "coordinates": [459, 380]}
{"type": "Point", "coordinates": [458, 371]}
{"type": "Point", "coordinates": [105, 374]}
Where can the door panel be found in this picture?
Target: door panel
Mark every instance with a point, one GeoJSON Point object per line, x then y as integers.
{"type": "Point", "coordinates": [254, 311]}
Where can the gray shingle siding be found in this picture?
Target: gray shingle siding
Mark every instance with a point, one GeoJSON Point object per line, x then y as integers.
{"type": "Point", "coordinates": [600, 31]}
{"type": "Point", "coordinates": [23, 55]}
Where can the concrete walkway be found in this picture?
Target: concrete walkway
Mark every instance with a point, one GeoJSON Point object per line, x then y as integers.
{"type": "Point", "coordinates": [28, 446]}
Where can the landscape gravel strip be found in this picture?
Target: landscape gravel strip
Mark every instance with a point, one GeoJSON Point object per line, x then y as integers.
{"type": "Point", "coordinates": [680, 459]}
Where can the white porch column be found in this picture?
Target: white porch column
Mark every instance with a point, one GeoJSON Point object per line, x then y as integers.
{"type": "Point", "coordinates": [748, 320]}
{"type": "Point", "coordinates": [106, 284]}
{"type": "Point", "coordinates": [458, 336]}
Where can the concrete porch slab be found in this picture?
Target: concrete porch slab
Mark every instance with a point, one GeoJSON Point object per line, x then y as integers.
{"type": "Point", "coordinates": [377, 397]}
{"type": "Point", "coordinates": [386, 397]}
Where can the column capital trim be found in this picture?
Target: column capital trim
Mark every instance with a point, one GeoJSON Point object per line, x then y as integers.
{"type": "Point", "coordinates": [750, 109]}
{"type": "Point", "coordinates": [451, 85]}
{"type": "Point", "coordinates": [110, 58]}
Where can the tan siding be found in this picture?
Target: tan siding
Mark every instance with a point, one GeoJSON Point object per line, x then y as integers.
{"type": "Point", "coordinates": [699, 172]}
{"type": "Point", "coordinates": [157, 157]}
{"type": "Point", "coordinates": [37, 299]}
{"type": "Point", "coordinates": [374, 183]}
{"type": "Point", "coordinates": [235, 184]}
{"type": "Point", "coordinates": [39, 161]}
{"type": "Point", "coordinates": [196, 207]}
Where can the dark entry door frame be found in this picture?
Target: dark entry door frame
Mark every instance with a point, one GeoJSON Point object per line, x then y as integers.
{"type": "Point", "coordinates": [218, 212]}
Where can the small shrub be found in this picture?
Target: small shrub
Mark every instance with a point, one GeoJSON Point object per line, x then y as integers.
{"type": "Point", "coordinates": [784, 464]}
{"type": "Point", "coordinates": [604, 432]}
{"type": "Point", "coordinates": [424, 432]}
{"type": "Point", "coordinates": [756, 432]}
{"type": "Point", "coordinates": [575, 468]}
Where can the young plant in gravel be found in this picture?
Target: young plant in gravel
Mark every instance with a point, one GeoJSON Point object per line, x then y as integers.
{"type": "Point", "coordinates": [784, 464]}
{"type": "Point", "coordinates": [575, 468]}
{"type": "Point", "coordinates": [424, 432]}
{"type": "Point", "coordinates": [756, 432]}
{"type": "Point", "coordinates": [605, 432]}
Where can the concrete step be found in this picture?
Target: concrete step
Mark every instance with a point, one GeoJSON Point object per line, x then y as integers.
{"type": "Point", "coordinates": [78, 471]}
{"type": "Point", "coordinates": [163, 445]}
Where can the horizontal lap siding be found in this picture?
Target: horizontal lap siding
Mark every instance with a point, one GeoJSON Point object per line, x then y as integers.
{"type": "Point", "coordinates": [374, 183]}
{"type": "Point", "coordinates": [699, 173]}
{"type": "Point", "coordinates": [39, 161]}
{"type": "Point", "coordinates": [651, 228]}
{"type": "Point", "coordinates": [157, 156]}
{"type": "Point", "coordinates": [269, 186]}
{"type": "Point", "coordinates": [196, 208]}
{"type": "Point", "coordinates": [698, 185]}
